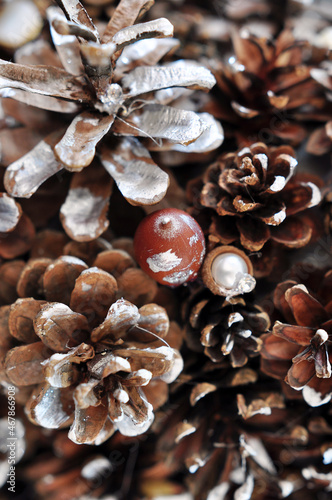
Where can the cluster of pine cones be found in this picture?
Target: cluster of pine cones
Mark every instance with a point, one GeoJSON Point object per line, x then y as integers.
{"type": "Point", "coordinates": [113, 386]}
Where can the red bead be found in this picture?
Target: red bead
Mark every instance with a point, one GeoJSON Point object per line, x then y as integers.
{"type": "Point", "coordinates": [170, 246]}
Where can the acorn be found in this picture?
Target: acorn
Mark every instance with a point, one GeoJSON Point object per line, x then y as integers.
{"type": "Point", "coordinates": [170, 246]}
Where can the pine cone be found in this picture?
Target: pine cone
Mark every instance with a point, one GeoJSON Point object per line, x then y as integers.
{"type": "Point", "coordinates": [268, 88]}
{"type": "Point", "coordinates": [223, 327]}
{"type": "Point", "coordinates": [88, 352]}
{"type": "Point", "coordinates": [298, 349]}
{"type": "Point", "coordinates": [111, 87]}
{"type": "Point", "coordinates": [257, 198]}
{"type": "Point", "coordinates": [237, 434]}
{"type": "Point", "coordinates": [221, 443]}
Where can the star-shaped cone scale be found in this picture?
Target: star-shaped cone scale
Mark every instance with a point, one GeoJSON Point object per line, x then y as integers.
{"type": "Point", "coordinates": [116, 91]}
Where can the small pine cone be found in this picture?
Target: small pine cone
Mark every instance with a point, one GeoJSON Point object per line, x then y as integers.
{"type": "Point", "coordinates": [253, 195]}
{"type": "Point", "coordinates": [225, 328]}
{"type": "Point", "coordinates": [91, 357]}
{"type": "Point", "coordinates": [299, 348]}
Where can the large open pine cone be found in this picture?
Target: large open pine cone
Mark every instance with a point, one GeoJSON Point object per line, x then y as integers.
{"type": "Point", "coordinates": [87, 350]}
{"type": "Point", "coordinates": [227, 438]}
{"type": "Point", "coordinates": [257, 197]}
{"type": "Point", "coordinates": [116, 92]}
{"type": "Point", "coordinates": [252, 451]}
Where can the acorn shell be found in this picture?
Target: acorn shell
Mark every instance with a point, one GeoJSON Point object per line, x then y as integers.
{"type": "Point", "coordinates": [170, 246]}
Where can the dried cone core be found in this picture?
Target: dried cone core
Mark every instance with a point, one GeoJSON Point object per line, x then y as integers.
{"type": "Point", "coordinates": [228, 271]}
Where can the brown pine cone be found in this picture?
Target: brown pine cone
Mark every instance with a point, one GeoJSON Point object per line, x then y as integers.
{"type": "Point", "coordinates": [223, 444]}
{"type": "Point", "coordinates": [84, 350]}
{"type": "Point", "coordinates": [268, 88]}
{"type": "Point", "coordinates": [299, 348]}
{"type": "Point", "coordinates": [225, 328]}
{"type": "Point", "coordinates": [236, 434]}
{"type": "Point", "coordinates": [254, 196]}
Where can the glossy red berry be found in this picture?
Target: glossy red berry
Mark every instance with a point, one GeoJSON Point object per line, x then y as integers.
{"type": "Point", "coordinates": [169, 246]}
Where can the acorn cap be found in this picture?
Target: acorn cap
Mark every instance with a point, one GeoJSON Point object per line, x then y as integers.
{"type": "Point", "coordinates": [243, 281]}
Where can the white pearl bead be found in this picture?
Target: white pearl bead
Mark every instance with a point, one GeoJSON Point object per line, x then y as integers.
{"type": "Point", "coordinates": [225, 268]}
